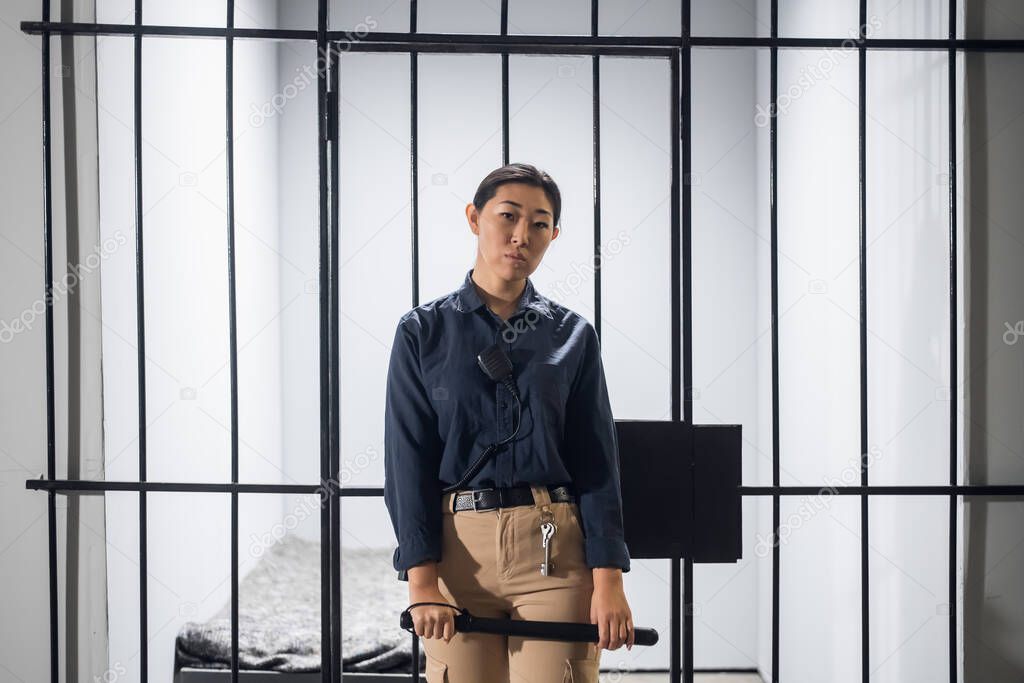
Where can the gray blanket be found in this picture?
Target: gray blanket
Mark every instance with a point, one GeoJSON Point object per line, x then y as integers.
{"type": "Point", "coordinates": [279, 615]}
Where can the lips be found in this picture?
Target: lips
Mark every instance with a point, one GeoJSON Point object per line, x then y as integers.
{"type": "Point", "coordinates": [517, 257]}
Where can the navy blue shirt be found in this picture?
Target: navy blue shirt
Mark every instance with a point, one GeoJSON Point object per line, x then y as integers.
{"type": "Point", "coordinates": [442, 411]}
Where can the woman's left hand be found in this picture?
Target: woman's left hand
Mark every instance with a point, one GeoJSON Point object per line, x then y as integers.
{"type": "Point", "coordinates": [610, 610]}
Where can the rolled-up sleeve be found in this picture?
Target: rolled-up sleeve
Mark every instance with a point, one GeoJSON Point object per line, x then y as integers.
{"type": "Point", "coordinates": [412, 455]}
{"type": "Point", "coordinates": [592, 444]}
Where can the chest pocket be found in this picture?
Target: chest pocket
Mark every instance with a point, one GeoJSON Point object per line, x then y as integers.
{"type": "Point", "coordinates": [456, 392]}
{"type": "Point", "coordinates": [546, 388]}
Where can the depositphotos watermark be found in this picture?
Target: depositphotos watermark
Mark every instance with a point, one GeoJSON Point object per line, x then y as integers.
{"type": "Point", "coordinates": [112, 674]}
{"type": "Point", "coordinates": [510, 332]}
{"type": "Point", "coordinates": [9, 329]}
{"type": "Point", "coordinates": [306, 76]}
{"type": "Point", "coordinates": [572, 283]}
{"type": "Point", "coordinates": [310, 503]}
{"type": "Point", "coordinates": [583, 273]}
{"type": "Point", "coordinates": [1013, 332]}
{"type": "Point", "coordinates": [812, 74]}
{"type": "Point", "coordinates": [811, 506]}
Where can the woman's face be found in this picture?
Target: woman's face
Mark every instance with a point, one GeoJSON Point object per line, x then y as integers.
{"type": "Point", "coordinates": [515, 222]}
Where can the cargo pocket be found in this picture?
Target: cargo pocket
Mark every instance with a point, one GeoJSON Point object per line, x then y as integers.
{"type": "Point", "coordinates": [581, 671]}
{"type": "Point", "coordinates": [437, 671]}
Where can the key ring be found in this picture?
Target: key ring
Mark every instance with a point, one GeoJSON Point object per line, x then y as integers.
{"type": "Point", "coordinates": [411, 629]}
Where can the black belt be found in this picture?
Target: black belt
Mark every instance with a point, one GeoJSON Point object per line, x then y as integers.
{"type": "Point", "coordinates": [509, 496]}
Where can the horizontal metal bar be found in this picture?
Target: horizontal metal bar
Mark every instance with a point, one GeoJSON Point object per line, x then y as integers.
{"type": "Point", "coordinates": [86, 487]}
{"type": "Point", "coordinates": [501, 47]}
{"type": "Point", "coordinates": [657, 46]}
{"type": "Point", "coordinates": [872, 490]}
{"type": "Point", "coordinates": [970, 44]}
{"type": "Point", "coordinates": [78, 486]}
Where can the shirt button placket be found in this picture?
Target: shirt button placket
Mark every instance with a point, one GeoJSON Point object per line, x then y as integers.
{"type": "Point", "coordinates": [499, 470]}
{"type": "Point", "coordinates": [506, 414]}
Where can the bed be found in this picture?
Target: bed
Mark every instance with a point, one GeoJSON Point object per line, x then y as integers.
{"type": "Point", "coordinates": [279, 622]}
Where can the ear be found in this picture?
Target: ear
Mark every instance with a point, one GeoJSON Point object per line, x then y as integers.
{"type": "Point", "coordinates": [472, 217]}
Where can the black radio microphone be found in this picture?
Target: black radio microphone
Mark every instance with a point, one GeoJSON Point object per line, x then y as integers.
{"type": "Point", "coordinates": [496, 365]}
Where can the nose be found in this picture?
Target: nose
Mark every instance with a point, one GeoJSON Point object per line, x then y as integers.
{"type": "Point", "coordinates": [520, 234]}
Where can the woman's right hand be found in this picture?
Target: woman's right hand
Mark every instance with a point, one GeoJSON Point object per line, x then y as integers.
{"type": "Point", "coordinates": [431, 621]}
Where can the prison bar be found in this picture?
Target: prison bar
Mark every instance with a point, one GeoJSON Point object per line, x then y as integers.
{"type": "Point", "coordinates": [953, 450]}
{"type": "Point", "coordinates": [325, 292]}
{"type": "Point", "coordinates": [376, 41]}
{"type": "Point", "coordinates": [140, 317]}
{"type": "Point", "coordinates": [773, 175]}
{"type": "Point", "coordinates": [862, 339]}
{"type": "Point", "coordinates": [97, 487]}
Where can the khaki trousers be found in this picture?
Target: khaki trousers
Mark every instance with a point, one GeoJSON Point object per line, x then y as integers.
{"type": "Point", "coordinates": [491, 566]}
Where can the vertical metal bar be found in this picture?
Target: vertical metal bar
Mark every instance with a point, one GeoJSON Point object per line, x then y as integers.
{"type": "Point", "coordinates": [232, 325]}
{"type": "Point", "coordinates": [953, 377]}
{"type": "Point", "coordinates": [681, 653]}
{"type": "Point", "coordinates": [415, 247]}
{"type": "Point", "coordinates": [685, 133]}
{"type": "Point", "coordinates": [140, 314]}
{"type": "Point", "coordinates": [865, 574]}
{"type": "Point", "coordinates": [773, 201]}
{"type": "Point", "coordinates": [595, 85]}
{"type": "Point", "coordinates": [687, 285]}
{"type": "Point", "coordinates": [335, 301]}
{"type": "Point", "coordinates": [326, 661]}
{"type": "Point", "coordinates": [504, 86]}
{"type": "Point", "coordinates": [51, 428]}
{"type": "Point", "coordinates": [413, 160]}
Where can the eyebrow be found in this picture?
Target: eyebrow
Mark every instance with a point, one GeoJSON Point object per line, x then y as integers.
{"type": "Point", "coordinates": [509, 201]}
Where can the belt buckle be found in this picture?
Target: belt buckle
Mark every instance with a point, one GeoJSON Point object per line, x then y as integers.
{"type": "Point", "coordinates": [475, 499]}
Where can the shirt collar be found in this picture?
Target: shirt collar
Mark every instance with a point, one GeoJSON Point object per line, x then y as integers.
{"type": "Point", "coordinates": [468, 300]}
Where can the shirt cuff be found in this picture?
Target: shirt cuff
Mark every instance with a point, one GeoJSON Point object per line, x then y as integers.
{"type": "Point", "coordinates": [412, 553]}
{"type": "Point", "coordinates": [607, 552]}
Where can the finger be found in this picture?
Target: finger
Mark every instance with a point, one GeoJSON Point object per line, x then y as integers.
{"type": "Point", "coordinates": [615, 638]}
{"type": "Point", "coordinates": [632, 635]}
{"type": "Point", "coordinates": [602, 631]}
{"type": "Point", "coordinates": [613, 635]}
{"type": "Point", "coordinates": [439, 627]}
{"type": "Point", "coordinates": [449, 630]}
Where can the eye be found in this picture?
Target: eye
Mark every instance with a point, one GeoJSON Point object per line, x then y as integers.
{"type": "Point", "coordinates": [507, 214]}
{"type": "Point", "coordinates": [541, 224]}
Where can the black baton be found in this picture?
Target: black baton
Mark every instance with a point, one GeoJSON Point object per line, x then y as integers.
{"type": "Point", "coordinates": [544, 630]}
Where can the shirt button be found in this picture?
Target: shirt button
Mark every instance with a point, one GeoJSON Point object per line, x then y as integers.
{"type": "Point", "coordinates": [503, 404]}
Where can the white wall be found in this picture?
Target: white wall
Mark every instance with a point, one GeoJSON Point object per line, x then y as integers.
{"type": "Point", "coordinates": [994, 563]}
{"type": "Point", "coordinates": [187, 374]}
{"type": "Point", "coordinates": [907, 350]}
{"type": "Point", "coordinates": [25, 627]}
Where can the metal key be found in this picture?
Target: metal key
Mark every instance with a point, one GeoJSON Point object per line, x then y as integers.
{"type": "Point", "coordinates": [547, 530]}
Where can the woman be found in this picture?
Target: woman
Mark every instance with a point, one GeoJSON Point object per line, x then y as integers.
{"type": "Point", "coordinates": [553, 476]}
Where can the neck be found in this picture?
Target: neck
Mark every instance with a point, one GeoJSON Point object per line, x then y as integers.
{"type": "Point", "coordinates": [499, 294]}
